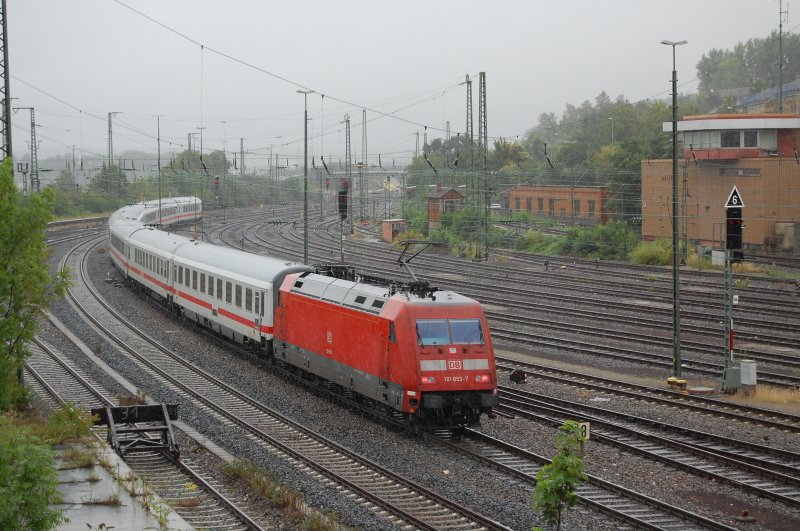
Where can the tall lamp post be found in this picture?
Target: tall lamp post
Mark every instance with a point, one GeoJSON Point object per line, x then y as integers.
{"type": "Point", "coordinates": [676, 294]}
{"type": "Point", "coordinates": [305, 94]}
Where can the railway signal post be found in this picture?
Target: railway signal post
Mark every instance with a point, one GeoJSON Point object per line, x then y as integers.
{"type": "Point", "coordinates": [731, 378]}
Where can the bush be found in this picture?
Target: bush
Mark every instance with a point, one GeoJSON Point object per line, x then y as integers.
{"type": "Point", "coordinates": [658, 252]}
{"type": "Point", "coordinates": [28, 480]}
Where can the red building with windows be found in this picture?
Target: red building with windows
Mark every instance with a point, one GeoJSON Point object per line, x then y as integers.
{"type": "Point", "coordinates": [583, 205]}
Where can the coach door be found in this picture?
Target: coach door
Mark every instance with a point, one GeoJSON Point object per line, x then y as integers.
{"type": "Point", "coordinates": [258, 310]}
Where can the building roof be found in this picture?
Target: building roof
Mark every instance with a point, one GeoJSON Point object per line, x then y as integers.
{"type": "Point", "coordinates": [439, 192]}
{"type": "Point", "coordinates": [718, 122]}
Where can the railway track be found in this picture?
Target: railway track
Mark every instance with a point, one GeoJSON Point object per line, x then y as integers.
{"type": "Point", "coordinates": [768, 472]}
{"type": "Point", "coordinates": [623, 504]}
{"type": "Point", "coordinates": [203, 505]}
{"type": "Point", "coordinates": [702, 404]}
{"type": "Point", "coordinates": [379, 489]}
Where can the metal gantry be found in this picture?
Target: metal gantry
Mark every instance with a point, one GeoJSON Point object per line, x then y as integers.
{"type": "Point", "coordinates": [34, 167]}
{"type": "Point", "coordinates": [5, 89]}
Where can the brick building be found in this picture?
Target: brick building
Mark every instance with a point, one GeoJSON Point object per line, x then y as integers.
{"type": "Point", "coordinates": [582, 205]}
{"type": "Point", "coordinates": [442, 200]}
{"type": "Point", "coordinates": [757, 153]}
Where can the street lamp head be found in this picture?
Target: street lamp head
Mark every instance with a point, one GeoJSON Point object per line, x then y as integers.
{"type": "Point", "coordinates": [673, 43]}
{"type": "Point", "coordinates": [299, 91]}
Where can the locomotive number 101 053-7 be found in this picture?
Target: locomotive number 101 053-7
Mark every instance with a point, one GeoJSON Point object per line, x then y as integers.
{"type": "Point", "coordinates": [456, 378]}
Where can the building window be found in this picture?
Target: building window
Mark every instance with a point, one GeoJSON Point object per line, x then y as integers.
{"type": "Point", "coordinates": [751, 138]}
{"type": "Point", "coordinates": [551, 206]}
{"type": "Point", "coordinates": [540, 205]}
{"type": "Point", "coordinates": [576, 207]}
{"type": "Point", "coordinates": [591, 207]}
{"type": "Point", "coordinates": [730, 139]}
{"type": "Point", "coordinates": [528, 201]}
{"type": "Point", "coordinates": [516, 203]}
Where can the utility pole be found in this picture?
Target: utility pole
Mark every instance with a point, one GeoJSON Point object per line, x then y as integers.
{"type": "Point", "coordinates": [5, 90]}
{"type": "Point", "coordinates": [305, 94]}
{"type": "Point", "coordinates": [241, 157]}
{"type": "Point", "coordinates": [676, 293]}
{"type": "Point", "coordinates": [348, 170]}
{"type": "Point", "coordinates": [362, 193]}
{"type": "Point", "coordinates": [158, 135]}
{"type": "Point", "coordinates": [781, 13]}
{"type": "Point", "coordinates": [110, 140]}
{"type": "Point", "coordinates": [483, 141]}
{"type": "Point", "coordinates": [470, 136]}
{"type": "Point", "coordinates": [34, 171]}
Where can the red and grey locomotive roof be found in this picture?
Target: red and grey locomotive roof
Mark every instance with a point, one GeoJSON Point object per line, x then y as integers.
{"type": "Point", "coordinates": [365, 297]}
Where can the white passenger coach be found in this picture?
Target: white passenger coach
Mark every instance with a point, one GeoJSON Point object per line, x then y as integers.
{"type": "Point", "coordinates": [222, 288]}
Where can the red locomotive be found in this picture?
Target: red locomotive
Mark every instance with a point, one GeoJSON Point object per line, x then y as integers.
{"type": "Point", "coordinates": [423, 352]}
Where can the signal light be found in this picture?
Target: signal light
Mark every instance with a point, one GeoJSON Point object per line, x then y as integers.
{"type": "Point", "coordinates": [428, 379]}
{"type": "Point", "coordinates": [343, 204]}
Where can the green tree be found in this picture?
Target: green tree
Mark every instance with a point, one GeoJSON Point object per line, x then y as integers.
{"type": "Point", "coordinates": [26, 288]}
{"type": "Point", "coordinates": [28, 480]}
{"type": "Point", "coordinates": [556, 482]}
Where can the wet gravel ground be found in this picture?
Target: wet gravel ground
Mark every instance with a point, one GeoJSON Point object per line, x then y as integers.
{"type": "Point", "coordinates": [483, 489]}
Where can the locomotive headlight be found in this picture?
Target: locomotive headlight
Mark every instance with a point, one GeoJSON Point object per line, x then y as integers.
{"type": "Point", "coordinates": [482, 378]}
{"type": "Point", "coordinates": [428, 380]}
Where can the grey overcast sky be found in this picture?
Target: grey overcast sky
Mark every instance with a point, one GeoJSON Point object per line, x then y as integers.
{"type": "Point", "coordinates": [75, 61]}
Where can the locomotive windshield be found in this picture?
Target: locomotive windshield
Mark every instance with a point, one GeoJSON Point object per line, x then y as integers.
{"type": "Point", "coordinates": [449, 332]}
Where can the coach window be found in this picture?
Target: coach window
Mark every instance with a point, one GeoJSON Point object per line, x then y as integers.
{"type": "Point", "coordinates": [248, 299]}
{"type": "Point", "coordinates": [187, 279]}
{"type": "Point", "coordinates": [194, 279]}
{"type": "Point", "coordinates": [238, 296]}
{"type": "Point", "coordinates": [202, 282]}
{"type": "Point", "coordinates": [219, 288]}
{"type": "Point", "coordinates": [228, 292]}
{"type": "Point", "coordinates": [210, 285]}
{"type": "Point", "coordinates": [180, 274]}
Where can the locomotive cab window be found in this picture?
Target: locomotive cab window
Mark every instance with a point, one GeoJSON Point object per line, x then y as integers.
{"type": "Point", "coordinates": [466, 331]}
{"type": "Point", "coordinates": [450, 332]}
{"type": "Point", "coordinates": [433, 332]}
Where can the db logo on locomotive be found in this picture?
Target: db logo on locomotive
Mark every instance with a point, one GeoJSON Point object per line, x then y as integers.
{"type": "Point", "coordinates": [454, 364]}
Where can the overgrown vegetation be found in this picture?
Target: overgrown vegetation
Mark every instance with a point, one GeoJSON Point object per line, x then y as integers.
{"type": "Point", "coordinates": [611, 241]}
{"type": "Point", "coordinates": [28, 477]}
{"type": "Point", "coordinates": [268, 488]}
{"type": "Point", "coordinates": [556, 482]}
